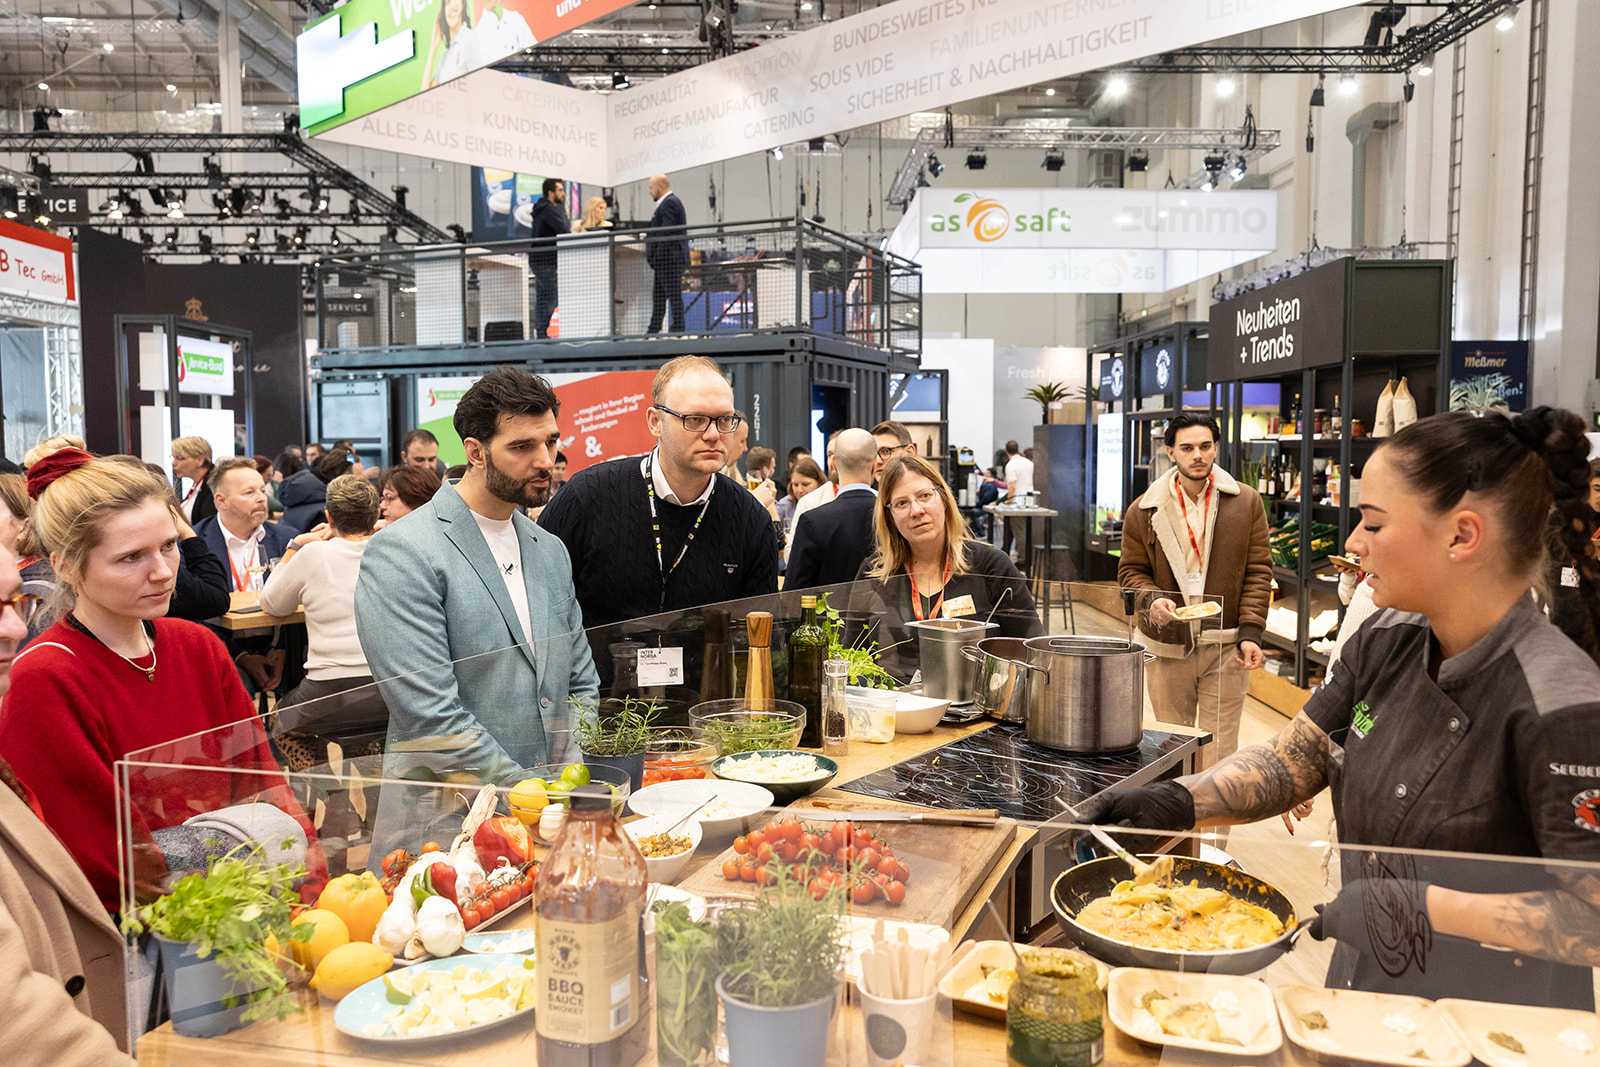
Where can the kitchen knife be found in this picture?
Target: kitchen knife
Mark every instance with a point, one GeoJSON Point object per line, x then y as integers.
{"type": "Point", "coordinates": [930, 818]}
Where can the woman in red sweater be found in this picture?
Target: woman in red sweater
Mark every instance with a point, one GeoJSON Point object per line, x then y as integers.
{"type": "Point", "coordinates": [112, 677]}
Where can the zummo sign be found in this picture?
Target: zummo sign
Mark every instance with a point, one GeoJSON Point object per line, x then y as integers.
{"type": "Point", "coordinates": [1098, 218]}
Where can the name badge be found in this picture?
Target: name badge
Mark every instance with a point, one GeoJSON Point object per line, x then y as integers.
{"type": "Point", "coordinates": [1194, 584]}
{"type": "Point", "coordinates": [1569, 577]}
{"type": "Point", "coordinates": [961, 605]}
{"type": "Point", "coordinates": [660, 666]}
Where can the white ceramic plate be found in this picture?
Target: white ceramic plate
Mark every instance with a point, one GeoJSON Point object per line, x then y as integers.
{"type": "Point", "coordinates": [368, 1005]}
{"type": "Point", "coordinates": [1536, 1029]}
{"type": "Point", "coordinates": [1371, 1027]}
{"type": "Point", "coordinates": [745, 802]}
{"type": "Point", "coordinates": [523, 940]}
{"type": "Point", "coordinates": [1243, 1008]}
{"type": "Point", "coordinates": [966, 971]}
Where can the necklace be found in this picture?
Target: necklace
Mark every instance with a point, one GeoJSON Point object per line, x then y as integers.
{"type": "Point", "coordinates": [150, 671]}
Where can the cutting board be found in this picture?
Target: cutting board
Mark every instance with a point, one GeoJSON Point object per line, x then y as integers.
{"type": "Point", "coordinates": [948, 863]}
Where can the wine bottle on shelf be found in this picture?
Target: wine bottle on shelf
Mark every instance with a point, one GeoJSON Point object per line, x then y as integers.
{"type": "Point", "coordinates": [1293, 425]}
{"type": "Point", "coordinates": [1335, 418]}
{"type": "Point", "coordinates": [808, 651]}
{"type": "Point", "coordinates": [758, 691]}
{"type": "Point", "coordinates": [1262, 474]}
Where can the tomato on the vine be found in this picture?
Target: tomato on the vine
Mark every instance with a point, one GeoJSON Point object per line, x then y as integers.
{"type": "Point", "coordinates": [895, 893]}
{"type": "Point", "coordinates": [469, 918]}
{"type": "Point", "coordinates": [730, 870]}
{"type": "Point", "coordinates": [863, 892]}
{"type": "Point", "coordinates": [818, 889]}
{"type": "Point", "coordinates": [809, 842]}
{"type": "Point", "coordinates": [869, 858]}
{"type": "Point", "coordinates": [501, 898]}
{"type": "Point", "coordinates": [764, 853]}
{"type": "Point", "coordinates": [748, 871]}
{"type": "Point", "coordinates": [755, 840]}
{"type": "Point", "coordinates": [741, 845]}
{"type": "Point", "coordinates": [431, 846]}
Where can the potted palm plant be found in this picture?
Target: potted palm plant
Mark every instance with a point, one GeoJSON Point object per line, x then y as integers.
{"type": "Point", "coordinates": [615, 733]}
{"type": "Point", "coordinates": [1044, 395]}
{"type": "Point", "coordinates": [780, 972]}
{"type": "Point", "coordinates": [213, 931]}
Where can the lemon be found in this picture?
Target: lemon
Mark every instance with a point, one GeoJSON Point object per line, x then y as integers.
{"type": "Point", "coordinates": [530, 794]}
{"type": "Point", "coordinates": [483, 985]}
{"type": "Point", "coordinates": [576, 773]}
{"type": "Point", "coordinates": [328, 933]}
{"type": "Point", "coordinates": [400, 987]}
{"type": "Point", "coordinates": [348, 967]}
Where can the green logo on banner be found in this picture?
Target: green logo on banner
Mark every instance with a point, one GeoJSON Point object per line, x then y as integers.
{"type": "Point", "coordinates": [328, 62]}
{"type": "Point", "coordinates": [201, 364]}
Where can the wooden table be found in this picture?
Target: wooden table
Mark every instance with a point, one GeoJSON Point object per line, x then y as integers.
{"type": "Point", "coordinates": [1008, 512]}
{"type": "Point", "coordinates": [243, 614]}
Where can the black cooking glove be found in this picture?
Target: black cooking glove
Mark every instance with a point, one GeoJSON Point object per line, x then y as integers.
{"type": "Point", "coordinates": [1386, 918]}
{"type": "Point", "coordinates": [1164, 805]}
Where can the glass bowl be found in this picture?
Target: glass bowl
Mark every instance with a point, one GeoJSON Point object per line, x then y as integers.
{"type": "Point", "coordinates": [675, 753]}
{"type": "Point", "coordinates": [736, 728]}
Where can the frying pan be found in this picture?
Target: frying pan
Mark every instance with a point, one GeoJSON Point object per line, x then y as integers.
{"type": "Point", "coordinates": [1077, 886]}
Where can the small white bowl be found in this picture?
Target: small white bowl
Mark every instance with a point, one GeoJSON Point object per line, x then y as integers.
{"type": "Point", "coordinates": [666, 869]}
{"type": "Point", "coordinates": [917, 714]}
{"type": "Point", "coordinates": [746, 800]}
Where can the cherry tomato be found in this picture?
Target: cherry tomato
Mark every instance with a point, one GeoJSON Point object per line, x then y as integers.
{"type": "Point", "coordinates": [862, 839]}
{"type": "Point", "coordinates": [502, 899]}
{"type": "Point", "coordinates": [741, 845]}
{"type": "Point", "coordinates": [888, 866]}
{"type": "Point", "coordinates": [470, 919]}
{"type": "Point", "coordinates": [789, 850]}
{"type": "Point", "coordinates": [904, 872]}
{"type": "Point", "coordinates": [817, 889]}
{"type": "Point", "coordinates": [748, 872]}
{"type": "Point", "coordinates": [431, 846]}
{"type": "Point", "coordinates": [895, 893]}
{"type": "Point", "coordinates": [763, 854]}
{"type": "Point", "coordinates": [828, 877]}
{"type": "Point", "coordinates": [791, 828]}
{"type": "Point", "coordinates": [869, 858]}
{"type": "Point", "coordinates": [809, 842]}
{"type": "Point", "coordinates": [730, 870]}
{"type": "Point", "coordinates": [863, 892]}
{"type": "Point", "coordinates": [845, 856]}
{"type": "Point", "coordinates": [756, 840]}
{"type": "Point", "coordinates": [396, 862]}
{"type": "Point", "coordinates": [485, 911]}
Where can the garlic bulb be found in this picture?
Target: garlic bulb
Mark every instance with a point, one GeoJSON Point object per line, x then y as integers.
{"type": "Point", "coordinates": [397, 924]}
{"type": "Point", "coordinates": [440, 927]}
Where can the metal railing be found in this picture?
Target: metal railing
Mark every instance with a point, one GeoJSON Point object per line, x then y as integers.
{"type": "Point", "coordinates": [754, 277]}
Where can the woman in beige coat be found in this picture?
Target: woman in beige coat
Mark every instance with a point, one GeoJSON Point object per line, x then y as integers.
{"type": "Point", "coordinates": [61, 959]}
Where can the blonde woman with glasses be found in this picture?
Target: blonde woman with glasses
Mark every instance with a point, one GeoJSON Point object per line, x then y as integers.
{"type": "Point", "coordinates": [927, 567]}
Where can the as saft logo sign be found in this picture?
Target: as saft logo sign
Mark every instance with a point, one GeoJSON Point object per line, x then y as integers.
{"type": "Point", "coordinates": [988, 220]}
{"type": "Point", "coordinates": [328, 62]}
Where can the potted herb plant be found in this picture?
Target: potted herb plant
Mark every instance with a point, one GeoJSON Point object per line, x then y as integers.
{"type": "Point", "coordinates": [212, 930]}
{"type": "Point", "coordinates": [780, 977]}
{"type": "Point", "coordinates": [615, 733]}
{"type": "Point", "coordinates": [1044, 395]}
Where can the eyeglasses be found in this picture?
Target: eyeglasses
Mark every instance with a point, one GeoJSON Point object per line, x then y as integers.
{"type": "Point", "coordinates": [24, 604]}
{"type": "Point", "coordinates": [885, 453]}
{"type": "Point", "coordinates": [389, 494]}
{"type": "Point", "coordinates": [923, 499]}
{"type": "Point", "coordinates": [698, 423]}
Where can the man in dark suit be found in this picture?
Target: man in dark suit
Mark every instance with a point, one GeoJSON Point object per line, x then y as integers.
{"type": "Point", "coordinates": [549, 221]}
{"type": "Point", "coordinates": [667, 253]}
{"type": "Point", "coordinates": [831, 542]}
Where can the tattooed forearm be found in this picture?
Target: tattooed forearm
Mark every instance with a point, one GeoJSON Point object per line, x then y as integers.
{"type": "Point", "coordinates": [1263, 780]}
{"type": "Point", "coordinates": [1560, 924]}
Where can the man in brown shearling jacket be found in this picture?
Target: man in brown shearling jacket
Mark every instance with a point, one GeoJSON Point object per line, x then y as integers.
{"type": "Point", "coordinates": [1198, 534]}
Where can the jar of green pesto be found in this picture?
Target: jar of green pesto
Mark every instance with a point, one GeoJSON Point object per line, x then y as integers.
{"type": "Point", "coordinates": [1055, 1012]}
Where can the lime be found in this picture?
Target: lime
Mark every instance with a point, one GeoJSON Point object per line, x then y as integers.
{"type": "Point", "coordinates": [576, 773]}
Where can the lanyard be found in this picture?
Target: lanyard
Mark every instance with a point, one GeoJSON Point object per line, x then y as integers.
{"type": "Point", "coordinates": [655, 525]}
{"type": "Point", "coordinates": [1204, 515]}
{"type": "Point", "coordinates": [242, 583]}
{"type": "Point", "coordinates": [934, 606]}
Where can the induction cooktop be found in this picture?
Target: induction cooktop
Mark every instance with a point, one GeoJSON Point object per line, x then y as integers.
{"type": "Point", "coordinates": [1000, 768]}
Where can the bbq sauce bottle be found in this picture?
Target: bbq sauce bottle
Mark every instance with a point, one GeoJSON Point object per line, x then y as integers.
{"type": "Point", "coordinates": [593, 1005]}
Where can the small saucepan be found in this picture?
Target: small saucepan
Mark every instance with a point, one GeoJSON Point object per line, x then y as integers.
{"type": "Point", "coordinates": [1077, 886]}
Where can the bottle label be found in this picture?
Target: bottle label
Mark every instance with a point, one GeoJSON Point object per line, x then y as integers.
{"type": "Point", "coordinates": [588, 979]}
{"type": "Point", "coordinates": [1032, 1042]}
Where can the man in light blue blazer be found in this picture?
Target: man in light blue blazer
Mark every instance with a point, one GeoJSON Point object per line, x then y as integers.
{"type": "Point", "coordinates": [466, 612]}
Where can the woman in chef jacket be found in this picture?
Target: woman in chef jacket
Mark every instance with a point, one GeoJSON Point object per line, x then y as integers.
{"type": "Point", "coordinates": [452, 30]}
{"type": "Point", "coordinates": [1458, 721]}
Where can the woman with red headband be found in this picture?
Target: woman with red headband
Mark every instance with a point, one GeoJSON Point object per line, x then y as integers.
{"type": "Point", "coordinates": [113, 675]}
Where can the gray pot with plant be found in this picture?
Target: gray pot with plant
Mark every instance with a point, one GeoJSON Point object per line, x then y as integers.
{"type": "Point", "coordinates": [780, 980]}
{"type": "Point", "coordinates": [211, 930]}
{"type": "Point", "coordinates": [615, 733]}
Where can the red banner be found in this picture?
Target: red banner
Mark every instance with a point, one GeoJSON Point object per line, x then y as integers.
{"type": "Point", "coordinates": [603, 417]}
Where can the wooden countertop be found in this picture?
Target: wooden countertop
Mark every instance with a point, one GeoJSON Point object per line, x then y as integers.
{"type": "Point", "coordinates": [243, 614]}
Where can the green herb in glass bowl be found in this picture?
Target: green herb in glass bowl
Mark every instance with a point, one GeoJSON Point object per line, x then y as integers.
{"type": "Point", "coordinates": [738, 728]}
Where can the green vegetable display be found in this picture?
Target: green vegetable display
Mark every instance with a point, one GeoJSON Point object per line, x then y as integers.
{"type": "Point", "coordinates": [686, 998]}
{"type": "Point", "coordinates": [861, 656]}
{"type": "Point", "coordinates": [621, 731]}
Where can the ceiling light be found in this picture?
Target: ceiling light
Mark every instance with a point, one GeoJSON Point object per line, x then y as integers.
{"type": "Point", "coordinates": [664, 51]}
{"type": "Point", "coordinates": [1051, 91]}
{"type": "Point", "coordinates": [252, 237]}
{"type": "Point", "coordinates": [1425, 68]}
{"type": "Point", "coordinates": [109, 47]}
{"type": "Point", "coordinates": [41, 219]}
{"type": "Point", "coordinates": [146, 238]}
{"type": "Point", "coordinates": [44, 87]}
{"type": "Point", "coordinates": [113, 207]}
{"type": "Point", "coordinates": [1236, 171]}
{"type": "Point", "coordinates": [171, 88]}
{"type": "Point", "coordinates": [1347, 84]}
{"type": "Point", "coordinates": [922, 178]}
{"type": "Point", "coordinates": [172, 239]}
{"type": "Point", "coordinates": [1225, 86]}
{"type": "Point", "coordinates": [777, 153]}
{"type": "Point", "coordinates": [1319, 95]}
{"type": "Point", "coordinates": [1053, 160]}
{"type": "Point", "coordinates": [934, 166]}
{"type": "Point", "coordinates": [1117, 87]}
{"type": "Point", "coordinates": [1507, 19]}
{"type": "Point", "coordinates": [205, 244]}
{"type": "Point", "coordinates": [805, 5]}
{"type": "Point", "coordinates": [619, 80]}
{"type": "Point", "coordinates": [300, 235]}
{"type": "Point", "coordinates": [977, 160]}
{"type": "Point", "coordinates": [337, 240]}
{"type": "Point", "coordinates": [1138, 162]}
{"type": "Point", "coordinates": [1214, 165]}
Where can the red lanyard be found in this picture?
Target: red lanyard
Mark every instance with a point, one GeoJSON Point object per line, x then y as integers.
{"type": "Point", "coordinates": [27, 561]}
{"type": "Point", "coordinates": [916, 594]}
{"type": "Point", "coordinates": [241, 584]}
{"type": "Point", "coordinates": [1205, 515]}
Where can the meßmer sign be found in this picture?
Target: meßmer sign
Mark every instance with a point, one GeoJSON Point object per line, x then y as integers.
{"type": "Point", "coordinates": [1294, 324]}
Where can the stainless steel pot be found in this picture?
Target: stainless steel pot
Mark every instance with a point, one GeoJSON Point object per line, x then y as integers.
{"type": "Point", "coordinates": [946, 675]}
{"type": "Point", "coordinates": [1001, 689]}
{"type": "Point", "coordinates": [1089, 693]}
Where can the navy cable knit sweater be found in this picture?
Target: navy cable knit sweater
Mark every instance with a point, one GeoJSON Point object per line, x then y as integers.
{"type": "Point", "coordinates": [602, 515]}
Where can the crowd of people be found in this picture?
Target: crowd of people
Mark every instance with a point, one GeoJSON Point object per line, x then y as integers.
{"type": "Point", "coordinates": [445, 613]}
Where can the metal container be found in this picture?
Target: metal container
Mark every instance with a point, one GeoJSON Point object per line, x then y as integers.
{"type": "Point", "coordinates": [1001, 689]}
{"type": "Point", "coordinates": [946, 673]}
{"type": "Point", "coordinates": [1089, 694]}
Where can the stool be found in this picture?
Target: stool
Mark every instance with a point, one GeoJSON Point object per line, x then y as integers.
{"type": "Point", "coordinates": [1040, 573]}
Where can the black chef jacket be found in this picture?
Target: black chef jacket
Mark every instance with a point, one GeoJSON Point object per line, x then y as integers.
{"type": "Point", "coordinates": [1500, 756]}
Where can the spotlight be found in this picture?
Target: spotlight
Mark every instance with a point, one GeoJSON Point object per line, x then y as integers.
{"type": "Point", "coordinates": [205, 244]}
{"type": "Point", "coordinates": [147, 238]}
{"type": "Point", "coordinates": [1507, 19]}
{"type": "Point", "coordinates": [1425, 68]}
{"type": "Point", "coordinates": [113, 208]}
{"type": "Point", "coordinates": [252, 237]}
{"type": "Point", "coordinates": [171, 88]}
{"type": "Point", "coordinates": [291, 122]}
{"type": "Point", "coordinates": [171, 239]}
{"type": "Point", "coordinates": [220, 202]}
{"type": "Point", "coordinates": [355, 212]}
{"type": "Point", "coordinates": [922, 178]}
{"type": "Point", "coordinates": [285, 209]}
{"type": "Point", "coordinates": [44, 87]}
{"type": "Point", "coordinates": [1050, 90]}
{"type": "Point", "coordinates": [213, 172]}
{"type": "Point", "coordinates": [8, 201]}
{"type": "Point", "coordinates": [457, 232]}
{"type": "Point", "coordinates": [316, 197]}
{"type": "Point", "coordinates": [1225, 86]}
{"type": "Point", "coordinates": [174, 203]}
{"type": "Point", "coordinates": [1117, 87]}
{"type": "Point", "coordinates": [777, 153]}
{"type": "Point", "coordinates": [109, 47]}
{"type": "Point", "coordinates": [1409, 90]}
{"type": "Point", "coordinates": [41, 219]}
{"type": "Point", "coordinates": [400, 192]}
{"type": "Point", "coordinates": [1236, 171]}
{"type": "Point", "coordinates": [1347, 84]}
{"type": "Point", "coordinates": [281, 240]}
{"type": "Point", "coordinates": [1319, 95]}
{"type": "Point", "coordinates": [300, 234]}
{"type": "Point", "coordinates": [1138, 162]}
{"type": "Point", "coordinates": [1214, 165]}
{"type": "Point", "coordinates": [1053, 160]}
{"type": "Point", "coordinates": [816, 144]}
{"type": "Point", "coordinates": [977, 160]}
{"type": "Point", "coordinates": [619, 80]}
{"type": "Point", "coordinates": [336, 241]}
{"type": "Point", "coordinates": [1380, 28]}
{"type": "Point", "coordinates": [935, 168]}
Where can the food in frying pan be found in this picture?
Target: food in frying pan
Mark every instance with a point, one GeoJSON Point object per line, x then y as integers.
{"type": "Point", "coordinates": [1179, 917]}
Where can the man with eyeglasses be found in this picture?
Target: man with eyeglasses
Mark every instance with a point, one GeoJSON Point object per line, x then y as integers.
{"type": "Point", "coordinates": [669, 530]}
